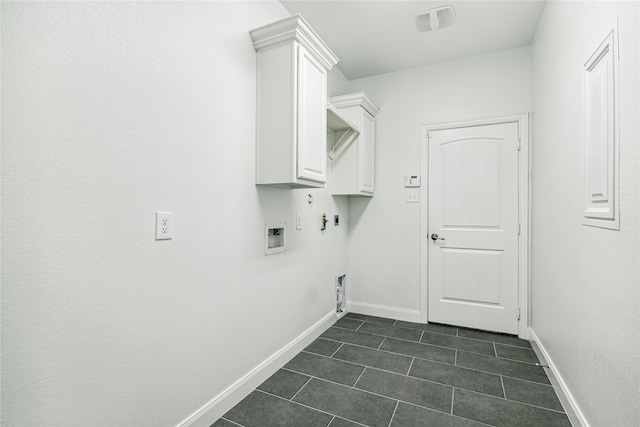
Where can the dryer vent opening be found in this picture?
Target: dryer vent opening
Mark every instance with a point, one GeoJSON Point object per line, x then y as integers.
{"type": "Point", "coordinates": [435, 19]}
{"type": "Point", "coordinates": [341, 303]}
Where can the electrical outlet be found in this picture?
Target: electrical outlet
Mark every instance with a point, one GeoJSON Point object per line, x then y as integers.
{"type": "Point", "coordinates": [412, 196]}
{"type": "Point", "coordinates": [164, 226]}
{"type": "Point", "coordinates": [336, 220]}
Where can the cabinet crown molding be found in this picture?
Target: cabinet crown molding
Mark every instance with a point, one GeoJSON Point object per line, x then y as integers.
{"type": "Point", "coordinates": [297, 29]}
{"type": "Point", "coordinates": [360, 98]}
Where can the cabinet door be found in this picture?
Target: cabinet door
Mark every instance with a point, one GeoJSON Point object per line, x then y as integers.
{"type": "Point", "coordinates": [312, 118]}
{"type": "Point", "coordinates": [366, 159]}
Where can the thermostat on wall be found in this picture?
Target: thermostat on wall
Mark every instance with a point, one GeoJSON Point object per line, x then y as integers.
{"type": "Point", "coordinates": [412, 180]}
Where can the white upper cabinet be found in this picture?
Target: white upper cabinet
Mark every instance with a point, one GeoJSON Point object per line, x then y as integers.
{"type": "Point", "coordinates": [353, 162]}
{"type": "Point", "coordinates": [293, 62]}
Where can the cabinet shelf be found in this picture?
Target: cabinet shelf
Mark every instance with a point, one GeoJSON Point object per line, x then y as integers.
{"type": "Point", "coordinates": [344, 129]}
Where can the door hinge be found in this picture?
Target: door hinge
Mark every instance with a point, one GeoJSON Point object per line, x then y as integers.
{"type": "Point", "coordinates": [518, 313]}
{"type": "Point", "coordinates": [519, 142]}
{"type": "Point", "coordinates": [518, 229]}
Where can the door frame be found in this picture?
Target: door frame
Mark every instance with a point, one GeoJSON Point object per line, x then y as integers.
{"type": "Point", "coordinates": [524, 169]}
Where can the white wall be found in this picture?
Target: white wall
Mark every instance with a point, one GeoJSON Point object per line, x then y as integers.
{"type": "Point", "coordinates": [585, 299]}
{"type": "Point", "coordinates": [110, 112]}
{"type": "Point", "coordinates": [385, 235]}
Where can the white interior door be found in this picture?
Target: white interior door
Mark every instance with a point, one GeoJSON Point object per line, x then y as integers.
{"type": "Point", "coordinates": [473, 217]}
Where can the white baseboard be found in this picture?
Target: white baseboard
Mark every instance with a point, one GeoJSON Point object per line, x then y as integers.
{"type": "Point", "coordinates": [567, 400]}
{"type": "Point", "coordinates": [226, 400]}
{"type": "Point", "coordinates": [384, 311]}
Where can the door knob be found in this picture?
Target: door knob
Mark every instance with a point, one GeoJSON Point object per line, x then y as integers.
{"type": "Point", "coordinates": [434, 237]}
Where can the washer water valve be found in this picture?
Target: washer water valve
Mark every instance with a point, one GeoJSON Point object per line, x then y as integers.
{"type": "Point", "coordinates": [324, 222]}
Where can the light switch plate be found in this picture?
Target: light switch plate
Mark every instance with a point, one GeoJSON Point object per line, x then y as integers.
{"type": "Point", "coordinates": [413, 196]}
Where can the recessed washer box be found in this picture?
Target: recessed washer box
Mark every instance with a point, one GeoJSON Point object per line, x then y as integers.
{"type": "Point", "coordinates": [274, 238]}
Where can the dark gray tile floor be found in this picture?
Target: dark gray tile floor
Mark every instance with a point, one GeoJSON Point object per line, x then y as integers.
{"type": "Point", "coordinates": [370, 371]}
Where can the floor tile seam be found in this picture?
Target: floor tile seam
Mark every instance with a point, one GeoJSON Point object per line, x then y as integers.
{"type": "Point", "coordinates": [393, 414]}
{"type": "Point", "coordinates": [355, 345]}
{"type": "Point", "coordinates": [388, 336]}
{"type": "Point", "coordinates": [453, 399]}
{"type": "Point", "coordinates": [322, 379]}
{"type": "Point", "coordinates": [514, 346]}
{"type": "Point", "coordinates": [350, 420]}
{"type": "Point", "coordinates": [335, 358]}
{"type": "Point", "coordinates": [298, 403]}
{"type": "Point", "coordinates": [413, 359]}
{"type": "Point", "coordinates": [410, 377]}
{"type": "Point", "coordinates": [359, 389]}
{"type": "Point", "coordinates": [300, 389]}
{"type": "Point", "coordinates": [337, 350]}
{"type": "Point", "coordinates": [375, 367]}
{"type": "Point", "coordinates": [513, 401]}
{"type": "Point", "coordinates": [345, 329]}
{"type": "Point", "coordinates": [454, 348]}
{"type": "Point", "coordinates": [403, 401]}
{"type": "Point", "coordinates": [428, 331]}
{"type": "Point", "coordinates": [464, 338]}
{"type": "Point", "coordinates": [477, 370]}
{"type": "Point", "coordinates": [503, 375]}
{"type": "Point", "coordinates": [529, 381]}
{"type": "Point", "coordinates": [504, 392]}
{"type": "Point", "coordinates": [453, 386]}
{"type": "Point", "coordinates": [516, 360]}
{"type": "Point", "coordinates": [496, 342]}
{"type": "Point", "coordinates": [232, 422]}
{"type": "Point", "coordinates": [374, 394]}
{"type": "Point", "coordinates": [502, 358]}
{"type": "Point", "coordinates": [451, 415]}
{"type": "Point", "coordinates": [374, 349]}
{"type": "Point", "coordinates": [359, 376]}
{"type": "Point", "coordinates": [350, 330]}
{"type": "Point", "coordinates": [417, 357]}
{"type": "Point", "coordinates": [404, 328]}
{"type": "Point", "coordinates": [370, 321]}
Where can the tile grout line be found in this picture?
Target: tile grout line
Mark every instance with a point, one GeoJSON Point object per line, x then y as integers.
{"type": "Point", "coordinates": [297, 392]}
{"type": "Point", "coordinates": [359, 376]}
{"type": "Point", "coordinates": [334, 353]}
{"type": "Point", "coordinates": [330, 421]}
{"type": "Point", "coordinates": [504, 392]}
{"type": "Point", "coordinates": [363, 390]}
{"type": "Point", "coordinates": [296, 403]}
{"type": "Point", "coordinates": [453, 394]}
{"type": "Point", "coordinates": [495, 350]}
{"type": "Point", "coordinates": [232, 422]}
{"type": "Point", "coordinates": [410, 366]}
{"type": "Point", "coordinates": [394, 413]}
{"type": "Point", "coordinates": [421, 358]}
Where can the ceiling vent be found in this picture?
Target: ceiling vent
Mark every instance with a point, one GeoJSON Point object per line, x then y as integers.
{"type": "Point", "coordinates": [435, 19]}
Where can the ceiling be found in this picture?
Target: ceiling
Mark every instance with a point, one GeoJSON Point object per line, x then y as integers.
{"type": "Point", "coordinates": [377, 37]}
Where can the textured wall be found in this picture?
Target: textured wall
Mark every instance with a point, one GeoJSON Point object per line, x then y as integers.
{"type": "Point", "coordinates": [585, 300]}
{"type": "Point", "coordinates": [385, 235]}
{"type": "Point", "coordinates": [112, 111]}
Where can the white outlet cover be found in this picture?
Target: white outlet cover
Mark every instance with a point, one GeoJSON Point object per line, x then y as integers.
{"type": "Point", "coordinates": [413, 196]}
{"type": "Point", "coordinates": [164, 225]}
